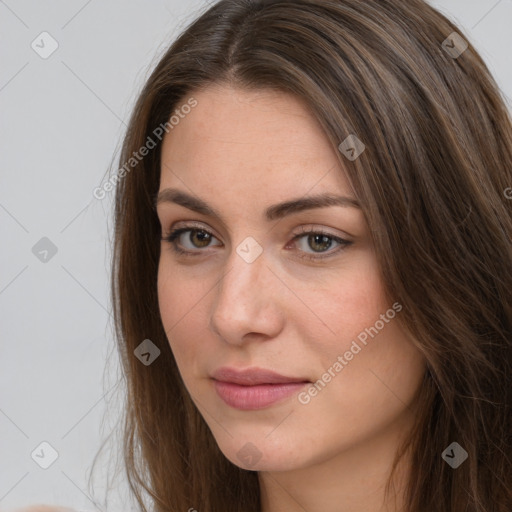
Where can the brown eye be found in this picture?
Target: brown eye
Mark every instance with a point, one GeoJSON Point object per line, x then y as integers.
{"type": "Point", "coordinates": [318, 242]}
{"type": "Point", "coordinates": [197, 238]}
{"type": "Point", "coordinates": [313, 244]}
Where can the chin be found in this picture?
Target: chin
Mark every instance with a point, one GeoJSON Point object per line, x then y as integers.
{"type": "Point", "coordinates": [260, 455]}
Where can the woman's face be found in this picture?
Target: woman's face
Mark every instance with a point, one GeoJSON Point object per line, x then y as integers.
{"type": "Point", "coordinates": [267, 283]}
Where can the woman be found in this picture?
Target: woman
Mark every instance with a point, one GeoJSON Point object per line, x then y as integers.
{"type": "Point", "coordinates": [312, 265]}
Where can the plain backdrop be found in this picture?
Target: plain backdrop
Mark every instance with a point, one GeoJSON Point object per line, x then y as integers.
{"type": "Point", "coordinates": [62, 117]}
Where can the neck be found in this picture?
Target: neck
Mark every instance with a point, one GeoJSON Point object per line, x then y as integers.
{"type": "Point", "coordinates": [353, 480]}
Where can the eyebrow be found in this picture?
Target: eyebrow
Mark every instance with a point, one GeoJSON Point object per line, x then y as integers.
{"type": "Point", "coordinates": [276, 211]}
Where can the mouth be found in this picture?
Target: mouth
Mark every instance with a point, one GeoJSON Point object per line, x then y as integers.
{"type": "Point", "coordinates": [254, 388]}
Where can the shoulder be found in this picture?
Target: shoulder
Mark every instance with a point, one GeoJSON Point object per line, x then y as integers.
{"type": "Point", "coordinates": [44, 508]}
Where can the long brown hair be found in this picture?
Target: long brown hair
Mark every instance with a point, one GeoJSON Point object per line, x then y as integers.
{"type": "Point", "coordinates": [431, 184]}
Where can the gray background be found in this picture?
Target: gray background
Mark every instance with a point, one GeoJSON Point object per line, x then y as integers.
{"type": "Point", "coordinates": [62, 119]}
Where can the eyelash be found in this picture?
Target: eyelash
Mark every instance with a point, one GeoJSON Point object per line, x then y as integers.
{"type": "Point", "coordinates": [174, 234]}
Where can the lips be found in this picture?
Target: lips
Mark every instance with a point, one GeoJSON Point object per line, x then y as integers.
{"type": "Point", "coordinates": [254, 388]}
{"type": "Point", "coordinates": [253, 376]}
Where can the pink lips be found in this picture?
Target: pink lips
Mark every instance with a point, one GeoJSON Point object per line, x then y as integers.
{"type": "Point", "coordinates": [254, 388]}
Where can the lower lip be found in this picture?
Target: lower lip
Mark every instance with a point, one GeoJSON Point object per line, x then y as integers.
{"type": "Point", "coordinates": [249, 398]}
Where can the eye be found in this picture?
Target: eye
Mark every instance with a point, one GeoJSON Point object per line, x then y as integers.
{"type": "Point", "coordinates": [318, 240]}
{"type": "Point", "coordinates": [197, 237]}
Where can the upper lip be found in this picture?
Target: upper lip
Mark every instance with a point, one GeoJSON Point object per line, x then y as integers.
{"type": "Point", "coordinates": [252, 376]}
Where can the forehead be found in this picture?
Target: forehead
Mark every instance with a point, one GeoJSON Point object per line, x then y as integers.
{"type": "Point", "coordinates": [249, 138]}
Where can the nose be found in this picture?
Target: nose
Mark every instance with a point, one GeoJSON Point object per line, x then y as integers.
{"type": "Point", "coordinates": [247, 301]}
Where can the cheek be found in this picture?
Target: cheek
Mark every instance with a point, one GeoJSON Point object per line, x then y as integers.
{"type": "Point", "coordinates": [179, 300]}
{"type": "Point", "coordinates": [360, 324]}
{"type": "Point", "coordinates": [369, 367]}
{"type": "Point", "coordinates": [347, 304]}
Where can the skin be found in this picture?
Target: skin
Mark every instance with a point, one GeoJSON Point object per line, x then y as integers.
{"type": "Point", "coordinates": [242, 151]}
